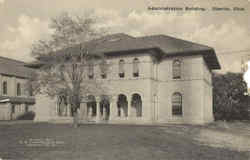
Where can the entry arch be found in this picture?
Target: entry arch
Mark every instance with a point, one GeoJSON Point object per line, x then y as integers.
{"type": "Point", "coordinates": [136, 105]}
{"type": "Point", "coordinates": [91, 106]}
{"type": "Point", "coordinates": [105, 106]}
{"type": "Point", "coordinates": [122, 105]}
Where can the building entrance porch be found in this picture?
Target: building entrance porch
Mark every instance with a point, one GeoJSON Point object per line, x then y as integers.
{"type": "Point", "coordinates": [103, 109]}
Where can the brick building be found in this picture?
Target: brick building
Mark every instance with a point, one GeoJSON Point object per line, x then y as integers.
{"type": "Point", "coordinates": [154, 79]}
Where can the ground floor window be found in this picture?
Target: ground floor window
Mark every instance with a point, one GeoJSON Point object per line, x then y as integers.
{"type": "Point", "coordinates": [177, 104]}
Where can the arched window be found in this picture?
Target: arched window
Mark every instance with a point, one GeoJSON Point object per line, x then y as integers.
{"type": "Point", "coordinates": [176, 69]}
{"type": "Point", "coordinates": [136, 67]}
{"type": "Point", "coordinates": [103, 69]}
{"type": "Point", "coordinates": [5, 88]}
{"type": "Point", "coordinates": [177, 104]}
{"type": "Point", "coordinates": [91, 71]}
{"type": "Point", "coordinates": [121, 68]}
{"type": "Point", "coordinates": [18, 89]}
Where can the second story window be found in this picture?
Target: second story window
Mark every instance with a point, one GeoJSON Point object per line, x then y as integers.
{"type": "Point", "coordinates": [5, 88]}
{"type": "Point", "coordinates": [103, 69]}
{"type": "Point", "coordinates": [18, 89]}
{"type": "Point", "coordinates": [121, 68]}
{"type": "Point", "coordinates": [176, 69]}
{"type": "Point", "coordinates": [136, 67]}
{"type": "Point", "coordinates": [91, 71]}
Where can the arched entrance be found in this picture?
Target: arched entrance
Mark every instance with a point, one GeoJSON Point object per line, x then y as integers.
{"type": "Point", "coordinates": [136, 104]}
{"type": "Point", "coordinates": [105, 107]}
{"type": "Point", "coordinates": [62, 106]}
{"type": "Point", "coordinates": [122, 105]}
{"type": "Point", "coordinates": [91, 106]}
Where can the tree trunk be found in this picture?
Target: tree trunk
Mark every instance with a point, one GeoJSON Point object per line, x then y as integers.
{"type": "Point", "coordinates": [75, 119]}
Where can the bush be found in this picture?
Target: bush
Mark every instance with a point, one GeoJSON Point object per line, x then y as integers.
{"type": "Point", "coordinates": [27, 116]}
{"type": "Point", "coordinates": [229, 101]}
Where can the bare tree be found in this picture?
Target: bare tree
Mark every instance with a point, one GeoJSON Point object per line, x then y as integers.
{"type": "Point", "coordinates": [65, 59]}
{"type": "Point", "coordinates": [69, 30]}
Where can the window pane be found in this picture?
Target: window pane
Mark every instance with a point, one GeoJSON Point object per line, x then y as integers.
{"type": "Point", "coordinates": [177, 104]}
{"type": "Point", "coordinates": [121, 66]}
{"type": "Point", "coordinates": [176, 69]}
{"type": "Point", "coordinates": [136, 66]}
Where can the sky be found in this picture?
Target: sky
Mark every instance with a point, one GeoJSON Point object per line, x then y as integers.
{"type": "Point", "coordinates": [24, 22]}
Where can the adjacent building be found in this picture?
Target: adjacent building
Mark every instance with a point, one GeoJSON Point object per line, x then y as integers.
{"type": "Point", "coordinates": [15, 97]}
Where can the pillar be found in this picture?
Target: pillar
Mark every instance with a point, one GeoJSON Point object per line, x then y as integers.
{"type": "Point", "coordinates": [113, 108]}
{"type": "Point", "coordinates": [68, 111]}
{"type": "Point", "coordinates": [83, 111]}
{"type": "Point", "coordinates": [129, 106]}
{"type": "Point", "coordinates": [98, 109]}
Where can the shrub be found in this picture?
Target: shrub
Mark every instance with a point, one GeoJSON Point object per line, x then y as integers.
{"type": "Point", "coordinates": [229, 101]}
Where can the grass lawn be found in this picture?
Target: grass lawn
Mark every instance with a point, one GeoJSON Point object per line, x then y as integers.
{"type": "Point", "coordinates": [42, 141]}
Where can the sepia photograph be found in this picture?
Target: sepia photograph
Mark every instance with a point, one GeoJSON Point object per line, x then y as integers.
{"type": "Point", "coordinates": [125, 80]}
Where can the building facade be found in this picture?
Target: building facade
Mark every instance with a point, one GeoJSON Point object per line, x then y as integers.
{"type": "Point", "coordinates": [15, 99]}
{"type": "Point", "coordinates": [154, 79]}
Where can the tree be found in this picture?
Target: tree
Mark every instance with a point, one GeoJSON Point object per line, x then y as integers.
{"type": "Point", "coordinates": [229, 100]}
{"type": "Point", "coordinates": [68, 30]}
{"type": "Point", "coordinates": [65, 59]}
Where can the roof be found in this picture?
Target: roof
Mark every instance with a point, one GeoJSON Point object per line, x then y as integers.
{"type": "Point", "coordinates": [167, 45]}
{"type": "Point", "coordinates": [164, 45]}
{"type": "Point", "coordinates": [29, 100]}
{"type": "Point", "coordinates": [12, 67]}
